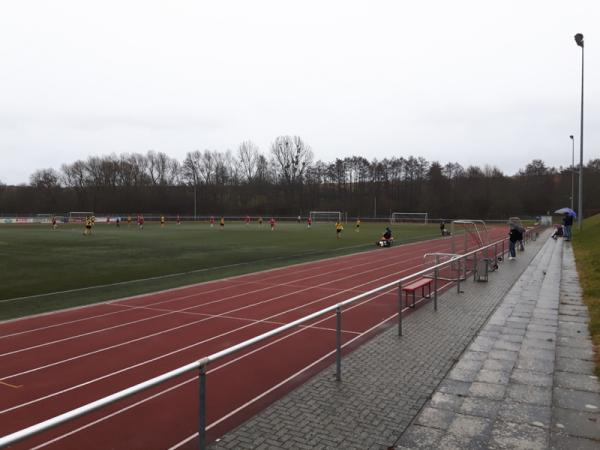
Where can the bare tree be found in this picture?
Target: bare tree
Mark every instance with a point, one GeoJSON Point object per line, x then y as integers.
{"type": "Point", "coordinates": [291, 157]}
{"type": "Point", "coordinates": [248, 154]}
{"type": "Point", "coordinates": [45, 179]}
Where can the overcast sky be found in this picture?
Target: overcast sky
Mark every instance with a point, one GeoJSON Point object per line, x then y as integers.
{"type": "Point", "coordinates": [477, 82]}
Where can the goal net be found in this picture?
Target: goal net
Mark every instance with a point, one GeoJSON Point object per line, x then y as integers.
{"type": "Point", "coordinates": [409, 217]}
{"type": "Point", "coordinates": [468, 235]}
{"type": "Point", "coordinates": [326, 216]}
{"type": "Point", "coordinates": [79, 216]}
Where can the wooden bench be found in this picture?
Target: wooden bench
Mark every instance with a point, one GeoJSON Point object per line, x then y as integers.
{"type": "Point", "coordinates": [421, 283]}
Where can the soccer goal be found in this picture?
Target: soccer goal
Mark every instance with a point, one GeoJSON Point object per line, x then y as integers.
{"type": "Point", "coordinates": [410, 217]}
{"type": "Point", "coordinates": [467, 235]}
{"type": "Point", "coordinates": [326, 216]}
{"type": "Point", "coordinates": [79, 216]}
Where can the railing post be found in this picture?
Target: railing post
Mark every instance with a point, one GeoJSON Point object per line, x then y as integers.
{"type": "Point", "coordinates": [495, 254]}
{"type": "Point", "coordinates": [202, 407]}
{"type": "Point", "coordinates": [435, 279]}
{"type": "Point", "coordinates": [338, 343]}
{"type": "Point", "coordinates": [458, 278]}
{"type": "Point", "coordinates": [502, 250]}
{"type": "Point", "coordinates": [399, 309]}
{"type": "Point", "coordinates": [475, 267]}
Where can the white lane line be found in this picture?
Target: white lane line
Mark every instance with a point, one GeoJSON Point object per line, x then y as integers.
{"type": "Point", "coordinates": [93, 352]}
{"type": "Point", "coordinates": [124, 324]}
{"type": "Point", "coordinates": [235, 278]}
{"type": "Point", "coordinates": [258, 397]}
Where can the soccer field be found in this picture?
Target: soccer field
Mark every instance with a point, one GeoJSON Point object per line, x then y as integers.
{"type": "Point", "coordinates": [36, 261]}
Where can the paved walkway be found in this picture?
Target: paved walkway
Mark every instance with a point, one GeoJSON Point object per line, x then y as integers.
{"type": "Point", "coordinates": [526, 382]}
{"type": "Point", "coordinates": [388, 380]}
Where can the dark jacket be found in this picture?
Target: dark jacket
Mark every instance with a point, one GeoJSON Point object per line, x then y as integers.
{"type": "Point", "coordinates": [515, 235]}
{"type": "Point", "coordinates": [568, 220]}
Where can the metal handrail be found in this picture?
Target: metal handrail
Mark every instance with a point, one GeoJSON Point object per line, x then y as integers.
{"type": "Point", "coordinates": [203, 362]}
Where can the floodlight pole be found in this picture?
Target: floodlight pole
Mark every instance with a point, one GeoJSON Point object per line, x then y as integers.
{"type": "Point", "coordinates": [579, 41]}
{"type": "Point", "coordinates": [572, 171]}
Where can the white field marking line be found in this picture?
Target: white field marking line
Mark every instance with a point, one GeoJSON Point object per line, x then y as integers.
{"type": "Point", "coordinates": [45, 344]}
{"type": "Point", "coordinates": [73, 358]}
{"type": "Point", "coordinates": [14, 386]}
{"type": "Point", "coordinates": [163, 356]}
{"type": "Point", "coordinates": [232, 278]}
{"type": "Point", "coordinates": [242, 319]}
{"type": "Point", "coordinates": [104, 418]}
{"type": "Point", "coordinates": [115, 302]}
{"type": "Point", "coordinates": [172, 275]}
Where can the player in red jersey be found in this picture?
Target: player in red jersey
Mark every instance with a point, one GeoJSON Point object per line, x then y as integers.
{"type": "Point", "coordinates": [247, 220]}
{"type": "Point", "coordinates": [272, 223]}
{"type": "Point", "coordinates": [212, 221]}
{"type": "Point", "coordinates": [309, 222]}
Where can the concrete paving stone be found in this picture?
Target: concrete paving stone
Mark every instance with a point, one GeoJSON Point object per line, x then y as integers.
{"type": "Point", "coordinates": [578, 400]}
{"type": "Point", "coordinates": [435, 418]}
{"type": "Point", "coordinates": [517, 323]}
{"type": "Point", "coordinates": [536, 415]}
{"type": "Point", "coordinates": [503, 365]}
{"type": "Point", "coordinates": [469, 365]}
{"type": "Point", "coordinates": [577, 423]}
{"type": "Point", "coordinates": [471, 426]}
{"type": "Point", "coordinates": [564, 331]}
{"type": "Point", "coordinates": [503, 354]}
{"type": "Point", "coordinates": [536, 365]}
{"type": "Point", "coordinates": [420, 437]}
{"type": "Point", "coordinates": [575, 365]}
{"type": "Point", "coordinates": [518, 436]}
{"type": "Point", "coordinates": [512, 338]}
{"type": "Point", "coordinates": [441, 400]}
{"type": "Point", "coordinates": [481, 344]}
{"type": "Point", "coordinates": [463, 375]}
{"type": "Point", "coordinates": [573, 352]}
{"type": "Point", "coordinates": [501, 344]}
{"type": "Point", "coordinates": [560, 441]}
{"type": "Point", "coordinates": [576, 381]}
{"type": "Point", "coordinates": [487, 390]}
{"type": "Point", "coordinates": [535, 335]}
{"type": "Point", "coordinates": [543, 344]}
{"type": "Point", "coordinates": [480, 407]}
{"type": "Point", "coordinates": [577, 319]}
{"type": "Point", "coordinates": [514, 331]}
{"type": "Point", "coordinates": [542, 328]}
{"type": "Point", "coordinates": [530, 394]}
{"type": "Point", "coordinates": [575, 341]}
{"type": "Point", "coordinates": [530, 377]}
{"type": "Point", "coordinates": [475, 356]}
{"type": "Point", "coordinates": [454, 387]}
{"type": "Point", "coordinates": [492, 376]}
{"type": "Point", "coordinates": [454, 442]}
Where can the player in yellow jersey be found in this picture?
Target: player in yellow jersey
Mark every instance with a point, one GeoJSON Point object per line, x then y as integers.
{"type": "Point", "coordinates": [357, 226]}
{"type": "Point", "coordinates": [88, 226]}
{"type": "Point", "coordinates": [338, 229]}
{"type": "Point", "coordinates": [222, 223]}
{"type": "Point", "coordinates": [128, 220]}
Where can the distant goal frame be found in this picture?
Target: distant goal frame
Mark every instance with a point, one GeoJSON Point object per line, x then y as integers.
{"type": "Point", "coordinates": [411, 217]}
{"type": "Point", "coordinates": [333, 216]}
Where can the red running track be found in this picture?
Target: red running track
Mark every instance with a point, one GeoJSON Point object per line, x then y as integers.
{"type": "Point", "coordinates": [52, 363]}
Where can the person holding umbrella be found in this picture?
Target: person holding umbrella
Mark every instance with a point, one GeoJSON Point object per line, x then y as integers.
{"type": "Point", "coordinates": [567, 221]}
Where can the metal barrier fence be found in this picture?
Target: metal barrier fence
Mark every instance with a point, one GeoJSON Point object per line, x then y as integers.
{"type": "Point", "coordinates": [202, 364]}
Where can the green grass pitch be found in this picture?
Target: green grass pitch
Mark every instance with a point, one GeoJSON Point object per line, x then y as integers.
{"type": "Point", "coordinates": [37, 261]}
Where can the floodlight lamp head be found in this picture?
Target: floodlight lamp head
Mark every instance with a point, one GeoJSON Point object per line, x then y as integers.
{"type": "Point", "coordinates": [579, 39]}
{"type": "Point", "coordinates": [571, 136]}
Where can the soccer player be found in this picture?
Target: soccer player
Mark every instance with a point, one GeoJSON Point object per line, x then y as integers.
{"type": "Point", "coordinates": [357, 226]}
{"type": "Point", "coordinates": [140, 222]}
{"type": "Point", "coordinates": [88, 226]}
{"type": "Point", "coordinates": [128, 220]}
{"type": "Point", "coordinates": [212, 221]}
{"type": "Point", "coordinates": [93, 220]}
{"type": "Point", "coordinates": [309, 222]}
{"type": "Point", "coordinates": [338, 229]}
{"type": "Point", "coordinates": [54, 225]}
{"type": "Point", "coordinates": [247, 220]}
{"type": "Point", "coordinates": [299, 219]}
{"type": "Point", "coordinates": [162, 221]}
{"type": "Point", "coordinates": [222, 223]}
{"type": "Point", "coordinates": [260, 221]}
{"type": "Point", "coordinates": [178, 220]}
{"type": "Point", "coordinates": [118, 222]}
{"type": "Point", "coordinates": [272, 223]}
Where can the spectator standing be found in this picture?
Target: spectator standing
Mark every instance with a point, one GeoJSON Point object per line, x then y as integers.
{"type": "Point", "coordinates": [567, 224]}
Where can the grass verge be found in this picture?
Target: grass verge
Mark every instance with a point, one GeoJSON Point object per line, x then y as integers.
{"type": "Point", "coordinates": [586, 245]}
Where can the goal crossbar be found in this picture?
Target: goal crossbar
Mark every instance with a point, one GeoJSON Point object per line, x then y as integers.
{"type": "Point", "coordinates": [409, 217]}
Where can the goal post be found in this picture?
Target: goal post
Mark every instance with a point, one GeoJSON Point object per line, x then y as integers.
{"type": "Point", "coordinates": [326, 216]}
{"type": "Point", "coordinates": [410, 217]}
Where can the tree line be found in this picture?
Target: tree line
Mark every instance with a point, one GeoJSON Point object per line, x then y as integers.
{"type": "Point", "coordinates": [287, 181]}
